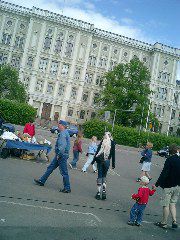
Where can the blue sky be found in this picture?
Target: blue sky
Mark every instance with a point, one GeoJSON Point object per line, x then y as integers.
{"type": "Point", "coordinates": [146, 20]}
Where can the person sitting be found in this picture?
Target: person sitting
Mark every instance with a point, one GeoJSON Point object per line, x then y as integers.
{"type": "Point", "coordinates": [29, 128]}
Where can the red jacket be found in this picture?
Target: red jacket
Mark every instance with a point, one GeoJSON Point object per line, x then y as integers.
{"type": "Point", "coordinates": [77, 146]}
{"type": "Point", "coordinates": [30, 129]}
{"type": "Point", "coordinates": [143, 194]}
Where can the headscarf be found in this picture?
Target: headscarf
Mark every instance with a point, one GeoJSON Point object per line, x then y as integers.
{"type": "Point", "coordinates": [105, 146]}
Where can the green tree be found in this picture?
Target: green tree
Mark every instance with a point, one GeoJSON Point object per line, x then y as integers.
{"type": "Point", "coordinates": [10, 86]}
{"type": "Point", "coordinates": [126, 84]}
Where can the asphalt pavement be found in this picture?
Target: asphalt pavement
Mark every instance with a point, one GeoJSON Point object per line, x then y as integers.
{"type": "Point", "coordinates": [30, 212]}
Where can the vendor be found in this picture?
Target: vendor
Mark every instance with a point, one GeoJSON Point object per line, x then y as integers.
{"type": "Point", "coordinates": [29, 128]}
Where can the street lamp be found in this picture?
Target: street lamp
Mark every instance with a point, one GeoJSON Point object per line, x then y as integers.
{"type": "Point", "coordinates": [132, 109]}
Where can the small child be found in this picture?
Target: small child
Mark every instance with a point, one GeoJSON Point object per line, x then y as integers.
{"type": "Point", "coordinates": [92, 148]}
{"type": "Point", "coordinates": [141, 198]}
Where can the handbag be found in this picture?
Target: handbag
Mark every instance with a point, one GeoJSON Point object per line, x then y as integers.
{"type": "Point", "coordinates": [100, 158]}
{"type": "Point", "coordinates": [142, 160]}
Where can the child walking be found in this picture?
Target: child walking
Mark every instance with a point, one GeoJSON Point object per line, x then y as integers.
{"type": "Point", "coordinates": [77, 148]}
{"type": "Point", "coordinates": [141, 198]}
{"type": "Point", "coordinates": [92, 148]}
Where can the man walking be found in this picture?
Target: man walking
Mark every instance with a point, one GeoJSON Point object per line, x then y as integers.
{"type": "Point", "coordinates": [62, 148]}
{"type": "Point", "coordinates": [169, 180]}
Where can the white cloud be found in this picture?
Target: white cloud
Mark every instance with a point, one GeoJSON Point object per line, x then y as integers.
{"type": "Point", "coordinates": [86, 11]}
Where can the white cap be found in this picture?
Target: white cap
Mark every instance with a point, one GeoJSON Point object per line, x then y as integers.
{"type": "Point", "coordinates": [145, 179]}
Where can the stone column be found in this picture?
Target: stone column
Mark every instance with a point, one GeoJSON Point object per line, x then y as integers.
{"type": "Point", "coordinates": [109, 58]}
{"type": "Point", "coordinates": [2, 25]}
{"type": "Point", "coordinates": [12, 41]}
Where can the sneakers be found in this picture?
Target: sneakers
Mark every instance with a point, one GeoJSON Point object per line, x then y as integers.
{"type": "Point", "coordinates": [130, 223]}
{"type": "Point", "coordinates": [103, 195]}
{"type": "Point", "coordinates": [98, 196]}
{"type": "Point", "coordinates": [138, 180]}
{"type": "Point", "coordinates": [83, 171]}
{"type": "Point", "coordinates": [38, 182]}
{"type": "Point", "coordinates": [70, 165]}
{"type": "Point", "coordinates": [161, 225]}
{"type": "Point", "coordinates": [174, 224]}
{"type": "Point", "coordinates": [65, 190]}
{"type": "Point", "coordinates": [95, 171]}
{"type": "Point", "coordinates": [137, 224]}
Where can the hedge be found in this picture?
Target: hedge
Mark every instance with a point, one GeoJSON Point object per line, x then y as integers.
{"type": "Point", "coordinates": [127, 136]}
{"type": "Point", "coordinates": [15, 112]}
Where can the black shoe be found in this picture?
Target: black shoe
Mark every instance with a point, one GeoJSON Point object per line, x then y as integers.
{"type": "Point", "coordinates": [130, 223]}
{"type": "Point", "coordinates": [65, 190]}
{"type": "Point", "coordinates": [103, 195]}
{"type": "Point", "coordinates": [137, 224]}
{"type": "Point", "coordinates": [98, 196]}
{"type": "Point", "coordinates": [38, 182]}
{"type": "Point", "coordinates": [174, 224]}
{"type": "Point", "coordinates": [138, 180]}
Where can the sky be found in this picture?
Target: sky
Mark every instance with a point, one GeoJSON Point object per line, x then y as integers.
{"type": "Point", "coordinates": [150, 21]}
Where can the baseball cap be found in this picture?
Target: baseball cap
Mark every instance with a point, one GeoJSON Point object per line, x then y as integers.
{"type": "Point", "coordinates": [63, 122]}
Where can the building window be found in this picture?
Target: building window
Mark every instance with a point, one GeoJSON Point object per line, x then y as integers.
{"type": "Point", "coordinates": [105, 48]}
{"type": "Point", "coordinates": [85, 97]}
{"type": "Point", "coordinates": [50, 88]}
{"type": "Point", "coordinates": [61, 90]}
{"type": "Point", "coordinates": [112, 65]}
{"type": "Point", "coordinates": [30, 61]}
{"type": "Point", "coordinates": [173, 114]}
{"type": "Point", "coordinates": [3, 58]}
{"type": "Point", "coordinates": [43, 64]}
{"type": "Point", "coordinates": [93, 115]}
{"type": "Point", "coordinates": [19, 42]}
{"type": "Point", "coordinates": [94, 45]}
{"type": "Point", "coordinates": [59, 43]}
{"type": "Point", "coordinates": [47, 42]}
{"type": "Point", "coordinates": [161, 93]}
{"type": "Point", "coordinates": [115, 51]}
{"type": "Point", "coordinates": [69, 49]}
{"type": "Point", "coordinates": [92, 61]}
{"type": "Point", "coordinates": [73, 93]}
{"type": "Point", "coordinates": [88, 78]}
{"type": "Point", "coordinates": [39, 86]}
{"type": "Point", "coordinates": [22, 26]}
{"type": "Point", "coordinates": [96, 97]}
{"type": "Point", "coordinates": [65, 69]}
{"type": "Point", "coordinates": [77, 73]}
{"type": "Point", "coordinates": [15, 61]}
{"type": "Point", "coordinates": [54, 67]}
{"type": "Point", "coordinates": [125, 54]}
{"type": "Point", "coordinates": [103, 62]}
{"type": "Point", "coordinates": [144, 59]}
{"type": "Point", "coordinates": [164, 76]}
{"type": "Point", "coordinates": [82, 114]}
{"type": "Point", "coordinates": [70, 112]}
{"type": "Point", "coordinates": [26, 81]}
{"type": "Point", "coordinates": [6, 39]}
{"type": "Point", "coordinates": [166, 62]}
{"type": "Point", "coordinates": [9, 23]}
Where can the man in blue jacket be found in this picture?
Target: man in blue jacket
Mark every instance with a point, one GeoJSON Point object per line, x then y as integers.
{"type": "Point", "coordinates": [62, 148]}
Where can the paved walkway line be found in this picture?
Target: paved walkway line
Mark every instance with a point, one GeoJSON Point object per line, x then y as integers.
{"type": "Point", "coordinates": [49, 208]}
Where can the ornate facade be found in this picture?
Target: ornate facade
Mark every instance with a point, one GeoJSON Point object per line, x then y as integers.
{"type": "Point", "coordinates": [61, 61]}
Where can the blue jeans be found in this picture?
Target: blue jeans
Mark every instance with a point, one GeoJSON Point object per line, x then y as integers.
{"type": "Point", "coordinates": [102, 171]}
{"type": "Point", "coordinates": [75, 158]}
{"type": "Point", "coordinates": [136, 212]}
{"type": "Point", "coordinates": [62, 164]}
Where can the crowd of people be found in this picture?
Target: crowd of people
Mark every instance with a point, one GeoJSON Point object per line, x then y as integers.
{"type": "Point", "coordinates": [102, 155]}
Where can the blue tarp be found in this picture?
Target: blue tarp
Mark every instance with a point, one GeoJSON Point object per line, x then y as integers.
{"type": "Point", "coordinates": [27, 146]}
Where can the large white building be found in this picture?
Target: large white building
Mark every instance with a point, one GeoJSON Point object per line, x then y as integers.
{"type": "Point", "coordinates": [61, 61]}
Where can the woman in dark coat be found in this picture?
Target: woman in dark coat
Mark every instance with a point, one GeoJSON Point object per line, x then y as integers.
{"type": "Point", "coordinates": [104, 153]}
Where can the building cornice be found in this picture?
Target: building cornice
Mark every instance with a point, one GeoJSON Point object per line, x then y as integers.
{"type": "Point", "coordinates": [81, 25]}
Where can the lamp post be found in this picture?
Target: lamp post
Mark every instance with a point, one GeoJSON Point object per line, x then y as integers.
{"type": "Point", "coordinates": [132, 109]}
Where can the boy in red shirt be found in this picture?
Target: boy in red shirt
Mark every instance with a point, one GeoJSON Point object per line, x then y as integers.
{"type": "Point", "coordinates": [29, 128]}
{"type": "Point", "coordinates": [141, 198]}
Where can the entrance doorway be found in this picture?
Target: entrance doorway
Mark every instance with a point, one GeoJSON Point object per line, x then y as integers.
{"type": "Point", "coordinates": [46, 111]}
